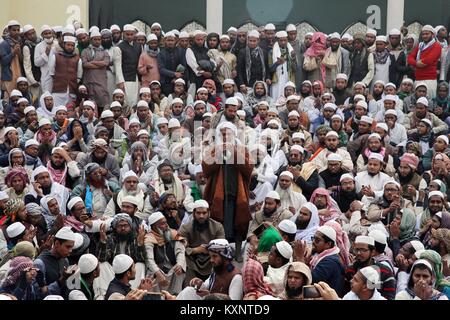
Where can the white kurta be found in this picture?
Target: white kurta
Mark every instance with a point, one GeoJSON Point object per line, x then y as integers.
{"type": "Point", "coordinates": [322, 163]}
{"type": "Point", "coordinates": [41, 60]}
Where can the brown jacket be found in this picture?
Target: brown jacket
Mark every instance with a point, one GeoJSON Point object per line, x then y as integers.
{"type": "Point", "coordinates": [66, 74]}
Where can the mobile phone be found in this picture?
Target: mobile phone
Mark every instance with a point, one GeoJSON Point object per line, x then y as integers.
{"type": "Point", "coordinates": [153, 296]}
{"type": "Point", "coordinates": [259, 230]}
{"type": "Point", "coordinates": [310, 292]}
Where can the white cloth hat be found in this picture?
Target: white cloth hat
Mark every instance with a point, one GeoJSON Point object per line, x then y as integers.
{"type": "Point", "coordinates": [365, 239]}
{"type": "Point", "coordinates": [95, 33]}
{"type": "Point", "coordinates": [293, 98]}
{"type": "Point", "coordinates": [115, 104]}
{"type": "Point", "coordinates": [21, 100]}
{"type": "Point", "coordinates": [81, 31]}
{"type": "Point", "coordinates": [376, 156]}
{"type": "Point", "coordinates": [273, 121]}
{"type": "Point", "coordinates": [391, 97]}
{"type": "Point", "coordinates": [70, 39]}
{"type": "Point", "coordinates": [208, 114]}
{"type": "Point", "coordinates": [367, 119]}
{"type": "Point", "coordinates": [114, 27]}
{"type": "Point", "coordinates": [330, 105]}
{"type": "Point", "coordinates": [298, 148]}
{"type": "Point", "coordinates": [423, 100]}
{"type": "Point", "coordinates": [107, 114]}
{"type": "Point", "coordinates": [122, 263]}
{"type": "Point", "coordinates": [334, 157]}
{"type": "Point", "coordinates": [427, 121]}
{"type": "Point", "coordinates": [273, 195]}
{"type": "Point", "coordinates": [12, 23]}
{"type": "Point", "coordinates": [180, 80]}
{"type": "Point", "coordinates": [372, 277]}
{"type": "Point", "coordinates": [270, 27]}
{"type": "Point", "coordinates": [87, 263]}
{"type": "Point", "coordinates": [177, 100]}
{"type": "Point", "coordinates": [77, 295]}
{"type": "Point", "coordinates": [201, 89]}
{"type": "Point", "coordinates": [378, 236]}
{"type": "Point", "coordinates": [73, 202]}
{"type": "Point", "coordinates": [337, 116]}
{"type": "Point", "coordinates": [199, 33]}
{"type": "Point", "coordinates": [371, 31]}
{"type": "Point", "coordinates": [253, 34]}
{"type": "Point", "coordinates": [43, 122]}
{"type": "Point", "coordinates": [152, 37]}
{"type": "Point", "coordinates": [29, 109]}
{"type": "Point", "coordinates": [288, 226]}
{"type": "Point", "coordinates": [118, 91]}
{"type": "Point", "coordinates": [436, 193]}
{"type": "Point", "coordinates": [362, 104]}
{"type": "Point", "coordinates": [161, 121]}
{"type": "Point", "coordinates": [417, 245]}
{"type": "Point", "coordinates": [241, 113]}
{"type": "Point", "coordinates": [375, 135]}
{"type": "Point", "coordinates": [201, 204]}
{"type": "Point", "coordinates": [142, 104]}
{"type": "Point", "coordinates": [174, 123]}
{"type": "Point", "coordinates": [130, 173]}
{"type": "Point", "coordinates": [232, 101]}
{"type": "Point", "coordinates": [436, 29]}
{"type": "Point", "coordinates": [395, 32]}
{"type": "Point", "coordinates": [65, 233]}
{"type": "Point", "coordinates": [335, 35]}
{"type": "Point", "coordinates": [131, 199]}
{"type": "Point", "coordinates": [342, 76]}
{"type": "Point", "coordinates": [285, 249]}
{"type": "Point", "coordinates": [444, 138]}
{"type": "Point", "coordinates": [332, 134]}
{"type": "Point", "coordinates": [4, 195]}
{"type": "Point", "coordinates": [428, 28]}
{"type": "Point", "coordinates": [294, 113]}
{"type": "Point", "coordinates": [381, 38]}
{"type": "Point", "coordinates": [408, 80]}
{"type": "Point", "coordinates": [60, 108]}
{"type": "Point", "coordinates": [15, 229]}
{"type": "Point", "coordinates": [21, 79]}
{"type": "Point", "coordinates": [16, 93]}
{"type": "Point", "coordinates": [328, 231]}
{"type": "Point", "coordinates": [53, 297]}
{"type": "Point", "coordinates": [46, 27]}
{"type": "Point", "coordinates": [144, 90]}
{"type": "Point", "coordinates": [383, 126]}
{"type": "Point", "coordinates": [184, 35]}
{"type": "Point", "coordinates": [129, 27]}
{"type": "Point", "coordinates": [347, 36]}
{"type": "Point", "coordinates": [156, 25]}
{"type": "Point", "coordinates": [140, 133]}
{"type": "Point", "coordinates": [170, 35]}
{"type": "Point", "coordinates": [347, 176]}
{"type": "Point", "coordinates": [90, 104]}
{"type": "Point", "coordinates": [281, 34]}
{"type": "Point", "coordinates": [291, 27]}
{"type": "Point", "coordinates": [155, 217]}
{"type": "Point", "coordinates": [232, 29]}
{"type": "Point", "coordinates": [298, 135]}
{"type": "Point", "coordinates": [391, 112]}
{"type": "Point", "coordinates": [287, 174]}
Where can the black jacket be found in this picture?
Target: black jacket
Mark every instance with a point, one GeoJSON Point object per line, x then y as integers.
{"type": "Point", "coordinates": [130, 59]}
{"type": "Point", "coordinates": [168, 61]}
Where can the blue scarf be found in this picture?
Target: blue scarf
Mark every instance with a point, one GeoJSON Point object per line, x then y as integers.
{"type": "Point", "coordinates": [88, 199]}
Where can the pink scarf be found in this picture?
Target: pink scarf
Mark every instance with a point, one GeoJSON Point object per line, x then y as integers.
{"type": "Point", "coordinates": [332, 206]}
{"type": "Point", "coordinates": [318, 257]}
{"type": "Point", "coordinates": [317, 46]}
{"type": "Point", "coordinates": [73, 223]}
{"type": "Point", "coordinates": [367, 152]}
{"type": "Point", "coordinates": [40, 139]}
{"type": "Point", "coordinates": [57, 174]}
{"type": "Point", "coordinates": [342, 241]}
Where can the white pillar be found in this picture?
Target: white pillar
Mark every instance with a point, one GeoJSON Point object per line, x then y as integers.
{"type": "Point", "coordinates": [214, 16]}
{"type": "Point", "coordinates": [395, 14]}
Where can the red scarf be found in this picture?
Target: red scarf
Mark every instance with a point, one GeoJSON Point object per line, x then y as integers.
{"type": "Point", "coordinates": [58, 175]}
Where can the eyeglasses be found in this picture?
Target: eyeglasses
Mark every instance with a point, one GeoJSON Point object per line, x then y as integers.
{"type": "Point", "coordinates": [358, 250]}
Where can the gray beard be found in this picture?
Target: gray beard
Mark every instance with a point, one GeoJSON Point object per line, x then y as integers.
{"type": "Point", "coordinates": [131, 193]}
{"type": "Point", "coordinates": [165, 234]}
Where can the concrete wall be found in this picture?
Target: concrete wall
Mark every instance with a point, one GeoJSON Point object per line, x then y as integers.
{"type": "Point", "coordinates": [39, 12]}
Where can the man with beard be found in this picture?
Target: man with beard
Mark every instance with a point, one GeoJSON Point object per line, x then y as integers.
{"type": "Point", "coordinates": [226, 69]}
{"type": "Point", "coordinates": [32, 72]}
{"type": "Point", "coordinates": [340, 91]}
{"type": "Point", "coordinates": [66, 69]}
{"type": "Point", "coordinates": [325, 263]}
{"type": "Point", "coordinates": [148, 63]}
{"type": "Point", "coordinates": [306, 177]}
{"type": "Point", "coordinates": [330, 178]}
{"type": "Point", "coordinates": [336, 60]}
{"type": "Point", "coordinates": [290, 199]}
{"type": "Point", "coordinates": [362, 63]}
{"type": "Point", "coordinates": [101, 156]}
{"type": "Point", "coordinates": [62, 168]}
{"type": "Point", "coordinates": [395, 46]}
{"type": "Point", "coordinates": [199, 110]}
{"type": "Point", "coordinates": [332, 147]}
{"type": "Point", "coordinates": [82, 40]}
{"type": "Point", "coordinates": [436, 201]}
{"type": "Point", "coordinates": [169, 208]}
{"type": "Point", "coordinates": [43, 185]}
{"type": "Point", "coordinates": [201, 66]}
{"type": "Point", "coordinates": [96, 61]}
{"type": "Point", "coordinates": [170, 58]}
{"type": "Point", "coordinates": [131, 51]}
{"type": "Point", "coordinates": [370, 182]}
{"type": "Point", "coordinates": [114, 69]}
{"type": "Point", "coordinates": [41, 56]}
{"type": "Point", "coordinates": [225, 278]}
{"type": "Point", "coordinates": [297, 276]}
{"type": "Point", "coordinates": [413, 185]}
{"type": "Point", "coordinates": [116, 34]}
{"type": "Point", "coordinates": [228, 114]}
{"type": "Point", "coordinates": [122, 240]}
{"type": "Point", "coordinates": [440, 242]}
{"type": "Point", "coordinates": [346, 194]}
{"type": "Point", "coordinates": [295, 126]}
{"type": "Point", "coordinates": [198, 233]}
{"type": "Point", "coordinates": [165, 258]}
{"type": "Point", "coordinates": [270, 215]}
{"type": "Point", "coordinates": [364, 251]}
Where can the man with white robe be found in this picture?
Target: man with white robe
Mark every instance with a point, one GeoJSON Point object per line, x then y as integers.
{"type": "Point", "coordinates": [332, 142]}
{"type": "Point", "coordinates": [42, 53]}
{"type": "Point", "coordinates": [263, 175]}
{"type": "Point", "coordinates": [290, 199]}
{"type": "Point", "coordinates": [284, 64]}
{"type": "Point", "coordinates": [270, 138]}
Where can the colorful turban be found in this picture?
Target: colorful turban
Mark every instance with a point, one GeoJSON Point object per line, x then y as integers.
{"type": "Point", "coordinates": [14, 172]}
{"type": "Point", "coordinates": [12, 207]}
{"type": "Point", "coordinates": [18, 264]}
{"type": "Point", "coordinates": [411, 159]}
{"type": "Point", "coordinates": [221, 247]}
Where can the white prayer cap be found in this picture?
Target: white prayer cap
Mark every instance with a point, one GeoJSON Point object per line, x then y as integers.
{"type": "Point", "coordinates": [341, 76]}
{"type": "Point", "coordinates": [53, 297]}
{"type": "Point", "coordinates": [140, 133]}
{"type": "Point", "coordinates": [285, 249]}
{"type": "Point", "coordinates": [378, 236]}
{"type": "Point", "coordinates": [174, 123]}
{"type": "Point", "coordinates": [155, 217]}
{"type": "Point", "coordinates": [65, 233]}
{"type": "Point", "coordinates": [87, 263]}
{"type": "Point", "coordinates": [142, 104]}
{"type": "Point", "coordinates": [73, 202]}
{"type": "Point", "coordinates": [80, 31]}
{"type": "Point", "coordinates": [70, 39]}
{"type": "Point", "coordinates": [408, 80]}
{"type": "Point", "coordinates": [27, 27]}
{"type": "Point", "coordinates": [307, 82]}
{"type": "Point", "coordinates": [229, 81]}
{"type": "Point", "coordinates": [232, 29]}
{"type": "Point", "coordinates": [107, 114]}
{"type": "Point", "coordinates": [298, 148]}
{"type": "Point", "coordinates": [161, 121]}
{"type": "Point", "coordinates": [170, 34]}
{"type": "Point", "coordinates": [60, 108]}
{"type": "Point", "coordinates": [444, 138]}
{"type": "Point", "coordinates": [144, 90]}
{"type": "Point", "coordinates": [380, 82]}
{"type": "Point", "coordinates": [328, 231]}
{"type": "Point", "coordinates": [375, 135]}
{"type": "Point", "coordinates": [347, 36]}
{"type": "Point", "coordinates": [293, 113]}
{"type": "Point", "coordinates": [177, 101]}
{"type": "Point", "coordinates": [362, 104]}
{"type": "Point", "coordinates": [94, 28]}
{"type": "Point", "coordinates": [77, 295]}
{"type": "Point", "coordinates": [12, 23]}
{"type": "Point", "coordinates": [15, 229]}
{"type": "Point", "coordinates": [118, 91]}
{"type": "Point", "coordinates": [241, 113]}
{"type": "Point", "coordinates": [293, 98]}
{"type": "Point", "coordinates": [16, 93]}
{"type": "Point", "coordinates": [291, 27]}
{"type": "Point", "coordinates": [383, 126]}
{"type": "Point", "coordinates": [156, 25]}
{"type": "Point", "coordinates": [114, 27]}
{"type": "Point", "coordinates": [131, 199]}
{"type": "Point", "coordinates": [155, 82]}
{"type": "Point", "coordinates": [417, 245]}
{"type": "Point", "coordinates": [371, 31]}
{"type": "Point", "coordinates": [390, 84]}
{"type": "Point", "coordinates": [202, 89]}
{"type": "Point", "coordinates": [232, 101]}
{"type": "Point", "coordinates": [347, 176]}
{"type": "Point", "coordinates": [335, 35]}
{"type": "Point", "coordinates": [57, 29]}
{"type": "Point", "coordinates": [372, 277]}
{"type": "Point", "coordinates": [420, 84]}
{"type": "Point", "coordinates": [8, 129]}
{"type": "Point", "coordinates": [381, 39]}
{"type": "Point", "coordinates": [270, 27]}
{"type": "Point", "coordinates": [428, 28]}
{"type": "Point", "coordinates": [129, 27]}
{"type": "Point", "coordinates": [332, 134]}
{"type": "Point", "coordinates": [281, 34]}
{"type": "Point", "coordinates": [199, 33]}
{"type": "Point", "coordinates": [202, 204]}
{"type": "Point", "coordinates": [29, 109]}
{"type": "Point", "coordinates": [298, 135]}
{"type": "Point", "coordinates": [392, 112]}
{"type": "Point", "coordinates": [360, 97]}
{"type": "Point", "coordinates": [365, 239]}
{"type": "Point", "coordinates": [436, 193]}
{"type": "Point", "coordinates": [43, 122]}
{"type": "Point", "coordinates": [367, 119]}
{"type": "Point", "coordinates": [122, 263]}
{"type": "Point", "coordinates": [3, 195]}
{"type": "Point", "coordinates": [376, 156]}
{"type": "Point", "coordinates": [115, 104]}
{"type": "Point", "coordinates": [95, 33]}
{"type": "Point", "coordinates": [436, 29]}
{"type": "Point", "coordinates": [184, 35]}
{"type": "Point", "coordinates": [287, 174]}
{"type": "Point", "coordinates": [224, 36]}
{"type": "Point", "coordinates": [130, 173]}
{"type": "Point", "coordinates": [427, 121]}
{"type": "Point", "coordinates": [273, 110]}
{"type": "Point", "coordinates": [337, 116]}
{"type": "Point", "coordinates": [253, 34]}
{"type": "Point", "coordinates": [395, 32]}
{"type": "Point", "coordinates": [334, 157]}
{"type": "Point", "coordinates": [22, 100]}
{"type": "Point", "coordinates": [309, 34]}
{"type": "Point", "coordinates": [90, 104]}
{"type": "Point", "coordinates": [273, 195]}
{"type": "Point", "coordinates": [423, 100]}
{"type": "Point", "coordinates": [330, 105]}
{"type": "Point", "coordinates": [288, 226]}
{"type": "Point", "coordinates": [273, 121]}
